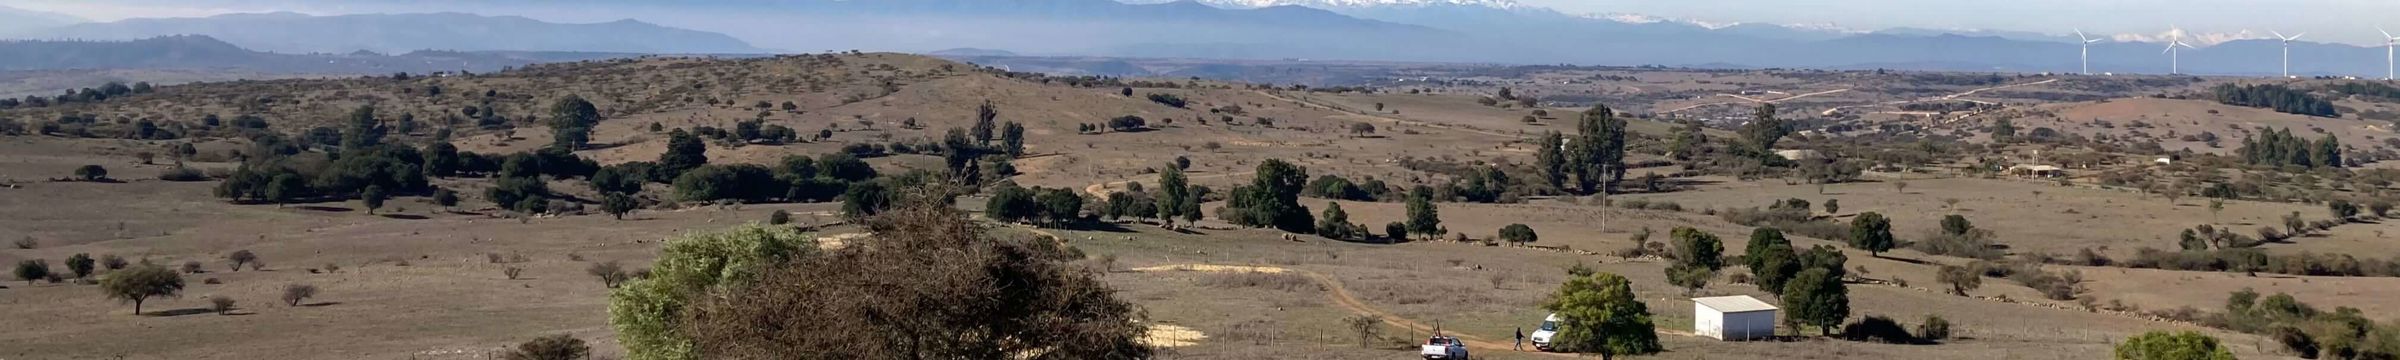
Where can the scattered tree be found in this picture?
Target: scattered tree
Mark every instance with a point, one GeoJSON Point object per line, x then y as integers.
{"type": "Point", "coordinates": [617, 204]}
{"type": "Point", "coordinates": [1817, 297]}
{"type": "Point", "coordinates": [2161, 345]}
{"type": "Point", "coordinates": [32, 269]}
{"type": "Point", "coordinates": [1424, 219]}
{"type": "Point", "coordinates": [293, 294]}
{"type": "Point", "coordinates": [1873, 233]}
{"type": "Point", "coordinates": [554, 347]}
{"type": "Point", "coordinates": [241, 257]}
{"type": "Point", "coordinates": [1518, 234]}
{"type": "Point", "coordinates": [1960, 278]}
{"type": "Point", "coordinates": [1366, 326]}
{"type": "Point", "coordinates": [220, 304]}
{"type": "Point", "coordinates": [1600, 314]}
{"type": "Point", "coordinates": [928, 257]}
{"type": "Point", "coordinates": [91, 173]}
{"type": "Point", "coordinates": [610, 273]}
{"type": "Point", "coordinates": [141, 283]}
{"type": "Point", "coordinates": [80, 264]}
{"type": "Point", "coordinates": [1771, 259]}
{"type": "Point", "coordinates": [373, 198]}
{"type": "Point", "coordinates": [1698, 256]}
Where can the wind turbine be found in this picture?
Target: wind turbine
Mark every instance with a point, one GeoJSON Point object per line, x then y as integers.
{"type": "Point", "coordinates": [2175, 35]}
{"type": "Point", "coordinates": [2087, 50]}
{"type": "Point", "coordinates": [2287, 50]}
{"type": "Point", "coordinates": [2388, 42]}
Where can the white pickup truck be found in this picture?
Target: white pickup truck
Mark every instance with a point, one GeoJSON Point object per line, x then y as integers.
{"type": "Point", "coordinates": [1445, 348]}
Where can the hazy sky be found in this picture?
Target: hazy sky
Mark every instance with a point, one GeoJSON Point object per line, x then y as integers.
{"type": "Point", "coordinates": [2347, 21]}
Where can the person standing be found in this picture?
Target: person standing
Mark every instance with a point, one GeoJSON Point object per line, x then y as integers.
{"type": "Point", "coordinates": [1520, 338]}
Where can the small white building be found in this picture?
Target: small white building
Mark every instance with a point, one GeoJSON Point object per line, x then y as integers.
{"type": "Point", "coordinates": [1733, 318]}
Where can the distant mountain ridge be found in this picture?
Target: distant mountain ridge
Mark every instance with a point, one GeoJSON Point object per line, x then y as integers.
{"type": "Point", "coordinates": [202, 52]}
{"type": "Point", "coordinates": [294, 33]}
{"type": "Point", "coordinates": [15, 20]}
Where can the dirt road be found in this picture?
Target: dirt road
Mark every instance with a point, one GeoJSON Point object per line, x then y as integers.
{"type": "Point", "coordinates": [1342, 297]}
{"type": "Point", "coordinates": [1102, 190]}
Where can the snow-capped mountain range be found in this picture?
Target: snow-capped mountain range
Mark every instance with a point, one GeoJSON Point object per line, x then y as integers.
{"type": "Point", "coordinates": [1338, 4]}
{"type": "Point", "coordinates": [1356, 6]}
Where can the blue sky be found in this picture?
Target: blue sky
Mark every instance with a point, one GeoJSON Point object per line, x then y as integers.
{"type": "Point", "coordinates": [2348, 21]}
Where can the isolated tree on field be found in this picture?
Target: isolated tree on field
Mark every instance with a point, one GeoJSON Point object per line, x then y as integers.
{"type": "Point", "coordinates": [1698, 256]}
{"type": "Point", "coordinates": [617, 204]}
{"type": "Point", "coordinates": [91, 173]}
{"type": "Point", "coordinates": [2161, 345]}
{"type": "Point", "coordinates": [241, 257]}
{"type": "Point", "coordinates": [373, 198]}
{"type": "Point", "coordinates": [1600, 314]}
{"type": "Point", "coordinates": [141, 283]}
{"type": "Point", "coordinates": [80, 264]}
{"type": "Point", "coordinates": [1817, 297]}
{"type": "Point", "coordinates": [1900, 187]}
{"type": "Point", "coordinates": [571, 120]}
{"type": "Point", "coordinates": [1873, 233]}
{"type": "Point", "coordinates": [609, 273]}
{"type": "Point", "coordinates": [1960, 278]}
{"type": "Point", "coordinates": [554, 347]}
{"type": "Point", "coordinates": [1362, 129]}
{"type": "Point", "coordinates": [1272, 199]}
{"type": "Point", "coordinates": [1518, 234]}
{"type": "Point", "coordinates": [1366, 326]}
{"type": "Point", "coordinates": [293, 294]}
{"type": "Point", "coordinates": [33, 269]}
{"type": "Point", "coordinates": [112, 262]}
{"type": "Point", "coordinates": [1833, 206]}
{"type": "Point", "coordinates": [1424, 219]}
{"type": "Point", "coordinates": [446, 198]}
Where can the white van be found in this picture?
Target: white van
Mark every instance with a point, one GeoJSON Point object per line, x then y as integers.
{"type": "Point", "coordinates": [1541, 335]}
